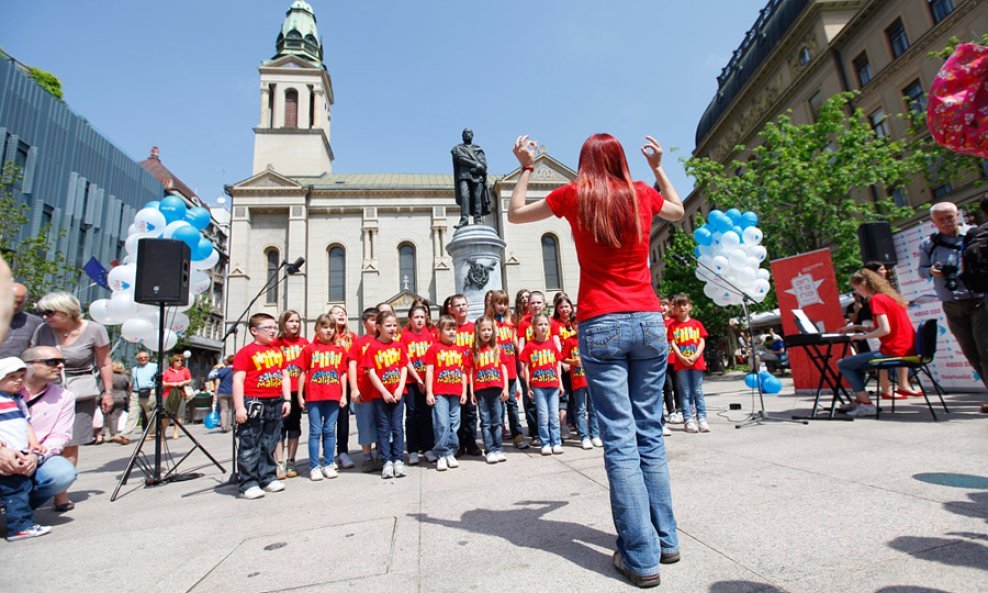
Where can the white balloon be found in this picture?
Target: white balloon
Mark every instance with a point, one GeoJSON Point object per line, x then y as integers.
{"type": "Point", "coordinates": [130, 244]}
{"type": "Point", "coordinates": [761, 289]}
{"type": "Point", "coordinates": [122, 278]}
{"type": "Point", "coordinates": [711, 291]}
{"type": "Point", "coordinates": [746, 276]}
{"type": "Point", "coordinates": [130, 258]}
{"type": "Point", "coordinates": [150, 222]}
{"type": "Point", "coordinates": [170, 340]}
{"type": "Point", "coordinates": [179, 322]}
{"type": "Point", "coordinates": [132, 230]}
{"type": "Point", "coordinates": [99, 313]}
{"type": "Point", "coordinates": [722, 300]}
{"type": "Point", "coordinates": [752, 235]}
{"type": "Point", "coordinates": [759, 253]}
{"type": "Point", "coordinates": [209, 262]}
{"type": "Point", "coordinates": [736, 259]}
{"type": "Point", "coordinates": [753, 263]}
{"type": "Point", "coordinates": [136, 329]}
{"type": "Point", "coordinates": [763, 274]}
{"type": "Point", "coordinates": [121, 307]}
{"type": "Point", "coordinates": [172, 227]}
{"type": "Point", "coordinates": [705, 250]}
{"type": "Point", "coordinates": [720, 264]}
{"type": "Point", "coordinates": [730, 240]}
{"type": "Point", "coordinates": [199, 282]}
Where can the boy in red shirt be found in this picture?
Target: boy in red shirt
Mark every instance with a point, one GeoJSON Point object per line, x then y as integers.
{"type": "Point", "coordinates": [583, 411]}
{"type": "Point", "coordinates": [687, 338]}
{"type": "Point", "coordinates": [361, 391]}
{"type": "Point", "coordinates": [261, 398]}
{"type": "Point", "coordinates": [446, 391]}
{"type": "Point", "coordinates": [458, 308]}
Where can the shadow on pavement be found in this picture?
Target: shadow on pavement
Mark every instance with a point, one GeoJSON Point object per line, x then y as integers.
{"type": "Point", "coordinates": [743, 587]}
{"type": "Point", "coordinates": [962, 551]}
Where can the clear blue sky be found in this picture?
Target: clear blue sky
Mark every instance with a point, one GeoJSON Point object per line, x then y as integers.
{"type": "Point", "coordinates": [408, 76]}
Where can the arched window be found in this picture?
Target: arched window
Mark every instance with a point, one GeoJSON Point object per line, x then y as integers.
{"type": "Point", "coordinates": [291, 108]}
{"type": "Point", "coordinates": [337, 274]}
{"type": "Point", "coordinates": [406, 267]}
{"type": "Point", "coordinates": [274, 263]}
{"type": "Point", "coordinates": [550, 262]}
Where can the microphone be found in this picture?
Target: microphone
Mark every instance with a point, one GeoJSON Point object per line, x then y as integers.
{"type": "Point", "coordinates": [680, 259]}
{"type": "Point", "coordinates": [295, 266]}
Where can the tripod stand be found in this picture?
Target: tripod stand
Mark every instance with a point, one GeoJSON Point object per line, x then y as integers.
{"type": "Point", "coordinates": [152, 470]}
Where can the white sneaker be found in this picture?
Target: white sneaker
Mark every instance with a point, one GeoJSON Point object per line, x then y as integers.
{"type": "Point", "coordinates": [413, 458]}
{"type": "Point", "coordinates": [430, 457]}
{"type": "Point", "coordinates": [388, 472]}
{"type": "Point", "coordinates": [344, 461]}
{"type": "Point", "coordinates": [491, 458]}
{"type": "Point", "coordinates": [676, 418]}
{"type": "Point", "coordinates": [557, 449]}
{"type": "Point", "coordinates": [665, 431]}
{"type": "Point", "coordinates": [586, 444]}
{"type": "Point", "coordinates": [252, 493]}
{"type": "Point", "coordinates": [315, 474]}
{"type": "Point", "coordinates": [597, 442]}
{"type": "Point", "coordinates": [274, 486]}
{"type": "Point", "coordinates": [400, 471]}
{"type": "Point", "coordinates": [501, 456]}
{"type": "Point", "coordinates": [452, 462]}
{"type": "Point", "coordinates": [704, 426]}
{"type": "Point", "coordinates": [35, 531]}
{"type": "Point", "coordinates": [441, 464]}
{"type": "Point", "coordinates": [330, 472]}
{"type": "Point", "coordinates": [691, 426]}
{"type": "Point", "coordinates": [547, 450]}
{"type": "Point", "coordinates": [863, 410]}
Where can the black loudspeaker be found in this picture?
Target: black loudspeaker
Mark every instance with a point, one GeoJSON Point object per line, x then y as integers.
{"type": "Point", "coordinates": [875, 240]}
{"type": "Point", "coordinates": [162, 272]}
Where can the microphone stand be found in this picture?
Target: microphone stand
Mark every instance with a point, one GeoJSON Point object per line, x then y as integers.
{"type": "Point", "coordinates": [759, 416]}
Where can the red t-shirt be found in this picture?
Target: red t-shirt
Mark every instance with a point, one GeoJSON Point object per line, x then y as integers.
{"type": "Point", "coordinates": [386, 360]}
{"type": "Point", "coordinates": [901, 339]}
{"type": "Point", "coordinates": [448, 368]}
{"type": "Point", "coordinates": [417, 344]}
{"type": "Point", "coordinates": [506, 340]}
{"type": "Point", "coordinates": [571, 350]}
{"type": "Point", "coordinates": [263, 365]}
{"type": "Point", "coordinates": [292, 348]}
{"type": "Point", "coordinates": [558, 328]}
{"type": "Point", "coordinates": [464, 336]}
{"type": "Point", "coordinates": [325, 370]}
{"type": "Point", "coordinates": [542, 360]}
{"type": "Point", "coordinates": [525, 330]}
{"type": "Point", "coordinates": [612, 279]}
{"type": "Point", "coordinates": [486, 371]}
{"type": "Point", "coordinates": [686, 335]}
{"type": "Point", "coordinates": [356, 354]}
{"type": "Point", "coordinates": [173, 375]}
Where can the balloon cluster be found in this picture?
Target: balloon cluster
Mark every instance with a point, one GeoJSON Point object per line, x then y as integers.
{"type": "Point", "coordinates": [730, 244]}
{"type": "Point", "coordinates": [769, 382]}
{"type": "Point", "coordinates": [167, 219]}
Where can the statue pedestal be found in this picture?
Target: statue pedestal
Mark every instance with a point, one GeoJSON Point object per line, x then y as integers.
{"type": "Point", "coordinates": [478, 254]}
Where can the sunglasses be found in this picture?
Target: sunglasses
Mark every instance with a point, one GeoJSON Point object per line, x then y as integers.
{"type": "Point", "coordinates": [47, 312]}
{"type": "Point", "coordinates": [49, 362]}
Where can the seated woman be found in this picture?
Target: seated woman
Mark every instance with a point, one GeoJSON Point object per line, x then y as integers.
{"type": "Point", "coordinates": [893, 328]}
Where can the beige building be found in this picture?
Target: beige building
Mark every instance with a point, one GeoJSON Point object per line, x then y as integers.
{"type": "Point", "coordinates": [366, 238]}
{"type": "Point", "coordinates": [801, 52]}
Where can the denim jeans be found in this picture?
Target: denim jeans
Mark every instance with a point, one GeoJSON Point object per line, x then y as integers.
{"type": "Point", "coordinates": [547, 405]}
{"type": "Point", "coordinates": [584, 414]}
{"type": "Point", "coordinates": [390, 430]}
{"type": "Point", "coordinates": [670, 391]}
{"type": "Point", "coordinates": [511, 408]}
{"type": "Point", "coordinates": [343, 430]}
{"type": "Point", "coordinates": [853, 367]}
{"type": "Point", "coordinates": [55, 475]}
{"type": "Point", "coordinates": [491, 415]}
{"type": "Point", "coordinates": [15, 493]}
{"type": "Point", "coordinates": [691, 389]}
{"type": "Point", "coordinates": [531, 414]}
{"type": "Point", "coordinates": [418, 420]}
{"type": "Point", "coordinates": [624, 356]}
{"type": "Point", "coordinates": [366, 423]}
{"type": "Point", "coordinates": [445, 422]}
{"type": "Point", "coordinates": [258, 438]}
{"type": "Point", "coordinates": [322, 425]}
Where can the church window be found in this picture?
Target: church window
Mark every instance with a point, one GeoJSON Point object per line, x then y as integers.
{"type": "Point", "coordinates": [337, 274]}
{"type": "Point", "coordinates": [291, 108]}
{"type": "Point", "coordinates": [274, 265]}
{"type": "Point", "coordinates": [550, 262]}
{"type": "Point", "coordinates": [406, 267]}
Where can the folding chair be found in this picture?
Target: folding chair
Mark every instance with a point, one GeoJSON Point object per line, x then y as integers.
{"type": "Point", "coordinates": [926, 349]}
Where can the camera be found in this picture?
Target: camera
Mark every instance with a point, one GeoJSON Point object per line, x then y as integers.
{"type": "Point", "coordinates": [949, 272]}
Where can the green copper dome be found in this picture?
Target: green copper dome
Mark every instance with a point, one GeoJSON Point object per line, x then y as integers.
{"type": "Point", "coordinates": [299, 36]}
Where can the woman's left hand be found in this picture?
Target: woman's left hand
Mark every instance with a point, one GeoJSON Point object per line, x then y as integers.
{"type": "Point", "coordinates": [653, 152]}
{"type": "Point", "coordinates": [524, 150]}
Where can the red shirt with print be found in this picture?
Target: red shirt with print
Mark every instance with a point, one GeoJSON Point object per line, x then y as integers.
{"type": "Point", "coordinates": [901, 339]}
{"type": "Point", "coordinates": [464, 336]}
{"type": "Point", "coordinates": [263, 365]}
{"type": "Point", "coordinates": [386, 359]}
{"type": "Point", "coordinates": [486, 369]}
{"type": "Point", "coordinates": [571, 350]}
{"type": "Point", "coordinates": [542, 360]}
{"type": "Point", "coordinates": [686, 335]}
{"type": "Point", "coordinates": [356, 354]}
{"type": "Point", "coordinates": [417, 344]}
{"type": "Point", "coordinates": [325, 371]}
{"type": "Point", "coordinates": [448, 368]}
{"type": "Point", "coordinates": [292, 348]}
{"type": "Point", "coordinates": [525, 330]}
{"type": "Point", "coordinates": [563, 330]}
{"type": "Point", "coordinates": [506, 340]}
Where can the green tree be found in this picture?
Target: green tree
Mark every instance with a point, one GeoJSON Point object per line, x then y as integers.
{"type": "Point", "coordinates": [48, 81]}
{"type": "Point", "coordinates": [799, 178]}
{"type": "Point", "coordinates": [198, 314]}
{"type": "Point", "coordinates": [34, 260]}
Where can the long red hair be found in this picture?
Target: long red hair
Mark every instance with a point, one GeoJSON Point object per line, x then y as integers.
{"type": "Point", "coordinates": [605, 192]}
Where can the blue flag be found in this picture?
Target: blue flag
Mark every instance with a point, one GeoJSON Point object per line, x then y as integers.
{"type": "Point", "coordinates": [96, 272]}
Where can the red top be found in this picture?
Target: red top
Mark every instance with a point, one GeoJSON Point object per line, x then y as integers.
{"type": "Point", "coordinates": [901, 340]}
{"type": "Point", "coordinates": [525, 330]}
{"type": "Point", "coordinates": [356, 354]}
{"type": "Point", "coordinates": [448, 369]}
{"type": "Point", "coordinates": [173, 375]}
{"type": "Point", "coordinates": [263, 365]}
{"type": "Point", "coordinates": [292, 348]}
{"type": "Point", "coordinates": [506, 340]}
{"type": "Point", "coordinates": [542, 360]}
{"type": "Point", "coordinates": [686, 335]}
{"type": "Point", "coordinates": [417, 344]}
{"type": "Point", "coordinates": [558, 328]}
{"type": "Point", "coordinates": [571, 350]}
{"type": "Point", "coordinates": [386, 360]}
{"type": "Point", "coordinates": [612, 279]}
{"type": "Point", "coordinates": [486, 371]}
{"type": "Point", "coordinates": [325, 370]}
{"type": "Point", "coordinates": [464, 336]}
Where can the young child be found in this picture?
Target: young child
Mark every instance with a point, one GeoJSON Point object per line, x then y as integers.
{"type": "Point", "coordinates": [322, 392]}
{"type": "Point", "coordinates": [489, 386]}
{"type": "Point", "coordinates": [386, 362]}
{"type": "Point", "coordinates": [540, 368]}
{"type": "Point", "coordinates": [583, 411]}
{"type": "Point", "coordinates": [687, 337]}
{"type": "Point", "coordinates": [446, 391]}
{"type": "Point", "coordinates": [418, 417]}
{"type": "Point", "coordinates": [260, 381]}
{"type": "Point", "coordinates": [344, 339]}
{"type": "Point", "coordinates": [458, 308]}
{"type": "Point", "coordinates": [16, 433]}
{"type": "Point", "coordinates": [670, 389]}
{"type": "Point", "coordinates": [535, 305]}
{"type": "Point", "coordinates": [291, 342]}
{"type": "Point", "coordinates": [508, 342]}
{"type": "Point", "coordinates": [361, 391]}
{"type": "Point", "coordinates": [561, 328]}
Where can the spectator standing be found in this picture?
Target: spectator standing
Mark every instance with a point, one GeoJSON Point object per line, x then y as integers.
{"type": "Point", "coordinates": [121, 394]}
{"type": "Point", "coordinates": [142, 396]}
{"type": "Point", "coordinates": [223, 376]}
{"type": "Point", "coordinates": [22, 325]}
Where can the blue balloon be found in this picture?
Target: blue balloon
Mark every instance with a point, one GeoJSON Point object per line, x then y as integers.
{"type": "Point", "coordinates": [188, 235]}
{"type": "Point", "coordinates": [734, 214]}
{"type": "Point", "coordinates": [173, 208]}
{"type": "Point", "coordinates": [198, 217]}
{"type": "Point", "coordinates": [203, 250]}
{"type": "Point", "coordinates": [737, 229]}
{"type": "Point", "coordinates": [153, 204]}
{"type": "Point", "coordinates": [772, 385]}
{"type": "Point", "coordinates": [764, 375]}
{"type": "Point", "coordinates": [751, 380]}
{"type": "Point", "coordinates": [212, 420]}
{"type": "Point", "coordinates": [748, 219]}
{"type": "Point", "coordinates": [703, 236]}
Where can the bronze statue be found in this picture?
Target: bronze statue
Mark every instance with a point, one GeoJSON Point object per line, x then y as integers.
{"type": "Point", "coordinates": [470, 179]}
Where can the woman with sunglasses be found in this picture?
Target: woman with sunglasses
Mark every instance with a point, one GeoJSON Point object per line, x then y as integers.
{"type": "Point", "coordinates": [88, 371]}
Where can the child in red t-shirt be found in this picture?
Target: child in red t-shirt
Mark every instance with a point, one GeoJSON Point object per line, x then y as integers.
{"type": "Point", "coordinates": [260, 383]}
{"type": "Point", "coordinates": [687, 338]}
{"type": "Point", "coordinates": [322, 392]}
{"type": "Point", "coordinates": [386, 362]}
{"type": "Point", "coordinates": [292, 342]}
{"type": "Point", "coordinates": [446, 391]}
{"type": "Point", "coordinates": [583, 411]}
{"type": "Point", "coordinates": [417, 339]}
{"type": "Point", "coordinates": [524, 332]}
{"type": "Point", "coordinates": [457, 307]}
{"type": "Point", "coordinates": [361, 392]}
{"type": "Point", "coordinates": [508, 341]}
{"type": "Point", "coordinates": [670, 389]}
{"type": "Point", "coordinates": [489, 386]}
{"type": "Point", "coordinates": [540, 362]}
{"type": "Point", "coordinates": [344, 338]}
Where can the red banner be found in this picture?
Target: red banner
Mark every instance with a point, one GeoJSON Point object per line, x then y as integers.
{"type": "Point", "coordinates": [807, 281]}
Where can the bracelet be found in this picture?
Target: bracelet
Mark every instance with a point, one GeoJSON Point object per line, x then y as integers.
{"type": "Point", "coordinates": [529, 169]}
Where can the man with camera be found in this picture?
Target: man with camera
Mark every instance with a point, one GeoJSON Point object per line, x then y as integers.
{"type": "Point", "coordinates": [940, 258]}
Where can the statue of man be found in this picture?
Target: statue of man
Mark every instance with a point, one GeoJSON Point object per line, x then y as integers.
{"type": "Point", "coordinates": [470, 177]}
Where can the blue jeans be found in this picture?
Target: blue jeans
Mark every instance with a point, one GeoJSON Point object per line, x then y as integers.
{"type": "Point", "coordinates": [418, 420]}
{"type": "Point", "coordinates": [853, 367]}
{"type": "Point", "coordinates": [491, 415]}
{"type": "Point", "coordinates": [584, 414]}
{"type": "Point", "coordinates": [322, 425]}
{"type": "Point", "coordinates": [390, 429]}
{"type": "Point", "coordinates": [15, 493]}
{"type": "Point", "coordinates": [624, 356]}
{"type": "Point", "coordinates": [258, 438]}
{"type": "Point", "coordinates": [547, 407]}
{"type": "Point", "coordinates": [55, 475]}
{"type": "Point", "coordinates": [366, 423]}
{"type": "Point", "coordinates": [445, 422]}
{"type": "Point", "coordinates": [691, 390]}
{"type": "Point", "coordinates": [511, 408]}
